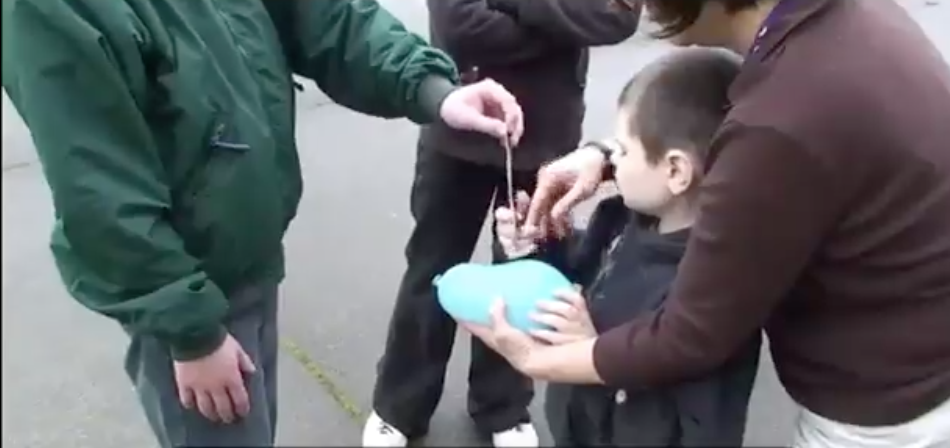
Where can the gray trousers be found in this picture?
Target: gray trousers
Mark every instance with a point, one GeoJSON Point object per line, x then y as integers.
{"type": "Point", "coordinates": [253, 322]}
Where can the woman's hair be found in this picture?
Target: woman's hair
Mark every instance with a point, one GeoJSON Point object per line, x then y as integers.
{"type": "Point", "coordinates": [680, 100]}
{"type": "Point", "coordinates": [675, 16]}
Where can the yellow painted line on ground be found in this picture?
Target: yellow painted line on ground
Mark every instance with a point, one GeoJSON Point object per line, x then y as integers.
{"type": "Point", "coordinates": [323, 377]}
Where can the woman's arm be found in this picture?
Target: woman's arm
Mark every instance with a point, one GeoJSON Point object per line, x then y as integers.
{"type": "Point", "coordinates": [747, 249]}
{"type": "Point", "coordinates": [764, 208]}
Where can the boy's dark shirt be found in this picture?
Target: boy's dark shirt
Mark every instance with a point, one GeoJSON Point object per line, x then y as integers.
{"type": "Point", "coordinates": [626, 268]}
{"type": "Point", "coordinates": [825, 218]}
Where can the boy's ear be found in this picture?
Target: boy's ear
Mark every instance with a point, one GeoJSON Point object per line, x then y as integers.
{"type": "Point", "coordinates": [682, 171]}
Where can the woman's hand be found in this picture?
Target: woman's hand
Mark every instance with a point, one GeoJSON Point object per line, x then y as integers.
{"type": "Point", "coordinates": [568, 318]}
{"type": "Point", "coordinates": [516, 346]}
{"type": "Point", "coordinates": [568, 363]}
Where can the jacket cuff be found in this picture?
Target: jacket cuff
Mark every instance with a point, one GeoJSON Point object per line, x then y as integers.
{"type": "Point", "coordinates": [613, 360]}
{"type": "Point", "coordinates": [197, 345]}
{"type": "Point", "coordinates": [432, 92]}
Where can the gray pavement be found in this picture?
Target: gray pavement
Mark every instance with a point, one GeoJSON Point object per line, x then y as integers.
{"type": "Point", "coordinates": [62, 378]}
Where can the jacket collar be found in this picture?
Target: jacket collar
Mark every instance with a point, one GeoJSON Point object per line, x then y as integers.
{"type": "Point", "coordinates": [787, 17]}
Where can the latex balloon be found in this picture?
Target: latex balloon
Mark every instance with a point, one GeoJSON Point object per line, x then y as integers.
{"type": "Point", "coordinates": [467, 291]}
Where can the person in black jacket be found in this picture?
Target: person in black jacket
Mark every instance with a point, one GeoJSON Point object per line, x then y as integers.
{"type": "Point", "coordinates": [627, 257]}
{"type": "Point", "coordinates": [538, 49]}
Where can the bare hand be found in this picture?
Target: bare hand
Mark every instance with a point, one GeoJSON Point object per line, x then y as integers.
{"type": "Point", "coordinates": [562, 184]}
{"type": "Point", "coordinates": [567, 316]}
{"type": "Point", "coordinates": [516, 242]}
{"type": "Point", "coordinates": [215, 384]}
{"type": "Point", "coordinates": [485, 107]}
{"type": "Point", "coordinates": [514, 345]}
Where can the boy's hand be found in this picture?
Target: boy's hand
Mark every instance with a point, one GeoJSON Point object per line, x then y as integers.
{"type": "Point", "coordinates": [514, 240]}
{"type": "Point", "coordinates": [568, 316]}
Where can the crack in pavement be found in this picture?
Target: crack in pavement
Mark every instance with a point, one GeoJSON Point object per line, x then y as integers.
{"type": "Point", "coordinates": [322, 376]}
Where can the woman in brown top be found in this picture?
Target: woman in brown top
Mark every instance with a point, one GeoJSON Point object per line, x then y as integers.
{"type": "Point", "coordinates": [824, 219]}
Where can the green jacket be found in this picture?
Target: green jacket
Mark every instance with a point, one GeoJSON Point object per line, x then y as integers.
{"type": "Point", "coordinates": [166, 133]}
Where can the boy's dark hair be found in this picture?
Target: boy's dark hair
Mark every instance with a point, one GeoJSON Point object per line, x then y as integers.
{"type": "Point", "coordinates": [675, 16]}
{"type": "Point", "coordinates": [680, 100]}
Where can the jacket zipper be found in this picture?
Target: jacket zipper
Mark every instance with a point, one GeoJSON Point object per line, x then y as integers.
{"type": "Point", "coordinates": [218, 142]}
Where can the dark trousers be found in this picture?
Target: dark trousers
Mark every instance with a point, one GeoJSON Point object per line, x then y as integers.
{"type": "Point", "coordinates": [449, 201]}
{"type": "Point", "coordinates": [253, 322]}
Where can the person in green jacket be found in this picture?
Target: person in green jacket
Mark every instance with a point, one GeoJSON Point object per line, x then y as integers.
{"type": "Point", "coordinates": [166, 133]}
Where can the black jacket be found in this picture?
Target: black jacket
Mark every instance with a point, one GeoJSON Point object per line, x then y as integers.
{"type": "Point", "coordinates": [620, 284]}
{"type": "Point", "coordinates": [537, 49]}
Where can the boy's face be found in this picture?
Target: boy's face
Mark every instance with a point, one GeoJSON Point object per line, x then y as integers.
{"type": "Point", "coordinates": [649, 188]}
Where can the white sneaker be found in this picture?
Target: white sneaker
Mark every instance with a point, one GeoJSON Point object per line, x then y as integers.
{"type": "Point", "coordinates": [378, 433]}
{"type": "Point", "coordinates": [523, 435]}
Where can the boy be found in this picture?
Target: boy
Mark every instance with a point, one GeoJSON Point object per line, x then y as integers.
{"type": "Point", "coordinates": [627, 258]}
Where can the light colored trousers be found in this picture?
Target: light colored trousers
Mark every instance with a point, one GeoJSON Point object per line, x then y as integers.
{"type": "Point", "coordinates": [931, 430]}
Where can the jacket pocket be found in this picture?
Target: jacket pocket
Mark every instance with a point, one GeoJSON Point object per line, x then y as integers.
{"type": "Point", "coordinates": [220, 204]}
{"type": "Point", "coordinates": [224, 137]}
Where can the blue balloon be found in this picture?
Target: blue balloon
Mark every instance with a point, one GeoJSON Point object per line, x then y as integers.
{"type": "Point", "coordinates": [467, 291]}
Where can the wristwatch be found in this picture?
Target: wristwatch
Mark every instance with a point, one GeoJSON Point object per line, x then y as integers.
{"type": "Point", "coordinates": [606, 150]}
